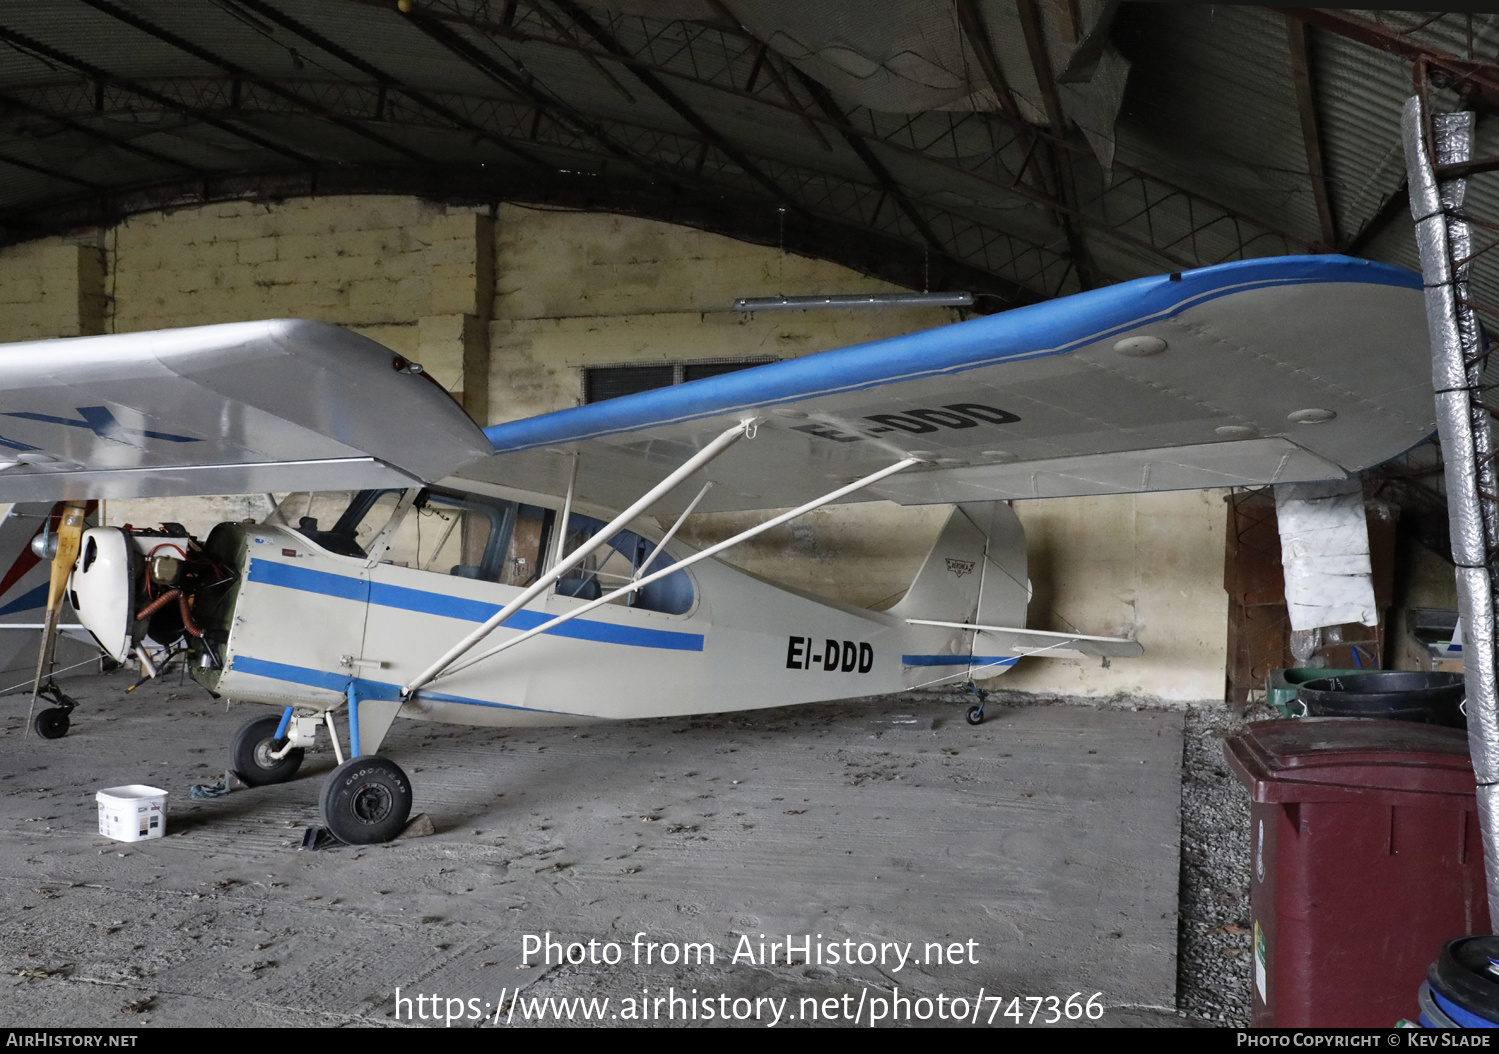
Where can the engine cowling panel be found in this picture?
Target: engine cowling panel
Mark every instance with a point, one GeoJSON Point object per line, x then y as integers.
{"type": "Point", "coordinates": [129, 584]}
{"type": "Point", "coordinates": [103, 586]}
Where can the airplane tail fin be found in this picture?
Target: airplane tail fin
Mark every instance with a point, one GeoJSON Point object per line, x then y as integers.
{"type": "Point", "coordinates": [975, 574]}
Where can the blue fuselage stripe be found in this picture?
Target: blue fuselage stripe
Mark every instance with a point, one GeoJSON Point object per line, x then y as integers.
{"type": "Point", "coordinates": [307, 580]}
{"type": "Point", "coordinates": [959, 660]}
{"type": "Point", "coordinates": [366, 689]}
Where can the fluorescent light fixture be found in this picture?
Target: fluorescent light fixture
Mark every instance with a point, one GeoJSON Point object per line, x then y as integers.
{"type": "Point", "coordinates": [796, 303]}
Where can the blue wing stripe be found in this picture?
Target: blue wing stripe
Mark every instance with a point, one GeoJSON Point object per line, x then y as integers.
{"type": "Point", "coordinates": [1051, 328]}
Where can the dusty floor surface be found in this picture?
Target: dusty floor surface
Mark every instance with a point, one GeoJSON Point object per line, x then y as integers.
{"type": "Point", "coordinates": [1048, 838]}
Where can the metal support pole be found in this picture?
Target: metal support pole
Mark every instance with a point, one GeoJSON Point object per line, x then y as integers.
{"type": "Point", "coordinates": [338, 751]}
{"type": "Point", "coordinates": [352, 694]}
{"type": "Point", "coordinates": [1457, 360]}
{"type": "Point", "coordinates": [567, 563]}
{"type": "Point", "coordinates": [567, 512]}
{"type": "Point", "coordinates": [673, 532]}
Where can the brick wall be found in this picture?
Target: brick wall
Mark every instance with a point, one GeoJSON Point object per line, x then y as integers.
{"type": "Point", "coordinates": [51, 288]}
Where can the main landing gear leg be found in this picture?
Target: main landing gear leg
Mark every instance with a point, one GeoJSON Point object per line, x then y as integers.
{"type": "Point", "coordinates": [368, 798]}
{"type": "Point", "coordinates": [975, 714]}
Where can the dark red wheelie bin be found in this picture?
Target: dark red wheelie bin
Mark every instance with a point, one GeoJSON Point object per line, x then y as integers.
{"type": "Point", "coordinates": [1366, 858]}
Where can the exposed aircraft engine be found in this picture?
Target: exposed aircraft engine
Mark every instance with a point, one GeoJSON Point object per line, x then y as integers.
{"type": "Point", "coordinates": [132, 584]}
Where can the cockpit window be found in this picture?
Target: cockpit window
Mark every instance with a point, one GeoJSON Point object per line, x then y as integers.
{"type": "Point", "coordinates": [341, 521]}
{"type": "Point", "coordinates": [473, 536]}
{"type": "Point", "coordinates": [446, 531]}
{"type": "Point", "coordinates": [488, 539]}
{"type": "Point", "coordinates": [619, 562]}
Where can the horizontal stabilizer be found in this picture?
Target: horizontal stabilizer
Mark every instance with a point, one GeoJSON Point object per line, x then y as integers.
{"type": "Point", "coordinates": [1037, 643]}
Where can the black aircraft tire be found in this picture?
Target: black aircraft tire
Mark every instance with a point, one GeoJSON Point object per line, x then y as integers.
{"type": "Point", "coordinates": [249, 754]}
{"type": "Point", "coordinates": [367, 801]}
{"type": "Point", "coordinates": [975, 715]}
{"type": "Point", "coordinates": [51, 723]}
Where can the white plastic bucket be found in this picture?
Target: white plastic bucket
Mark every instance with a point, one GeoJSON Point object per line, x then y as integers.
{"type": "Point", "coordinates": [132, 814]}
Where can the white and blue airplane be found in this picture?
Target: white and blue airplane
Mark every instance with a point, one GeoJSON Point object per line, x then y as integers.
{"type": "Point", "coordinates": [428, 569]}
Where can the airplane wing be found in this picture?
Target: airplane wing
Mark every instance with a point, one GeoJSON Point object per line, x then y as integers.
{"type": "Point", "coordinates": [240, 408]}
{"type": "Point", "coordinates": [1275, 370]}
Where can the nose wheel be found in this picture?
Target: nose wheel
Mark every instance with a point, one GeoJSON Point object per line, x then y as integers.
{"type": "Point", "coordinates": [253, 753]}
{"type": "Point", "coordinates": [367, 800]}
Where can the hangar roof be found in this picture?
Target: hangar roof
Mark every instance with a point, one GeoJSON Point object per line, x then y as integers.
{"type": "Point", "coordinates": [1019, 148]}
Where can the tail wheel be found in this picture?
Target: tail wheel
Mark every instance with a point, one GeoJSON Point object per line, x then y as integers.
{"type": "Point", "coordinates": [975, 715]}
{"type": "Point", "coordinates": [367, 800]}
{"type": "Point", "coordinates": [51, 723]}
{"type": "Point", "coordinates": [250, 753]}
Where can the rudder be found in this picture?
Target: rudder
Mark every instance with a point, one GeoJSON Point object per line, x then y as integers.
{"type": "Point", "coordinates": [975, 573]}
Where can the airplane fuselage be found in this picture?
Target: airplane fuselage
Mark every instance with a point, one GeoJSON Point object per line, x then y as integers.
{"type": "Point", "coordinates": [305, 621]}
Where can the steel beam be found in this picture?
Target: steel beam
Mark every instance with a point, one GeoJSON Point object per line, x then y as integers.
{"type": "Point", "coordinates": [96, 73]}
{"type": "Point", "coordinates": [386, 81]}
{"type": "Point", "coordinates": [1297, 47]}
{"type": "Point", "coordinates": [13, 103]}
{"type": "Point", "coordinates": [1150, 189]}
{"type": "Point", "coordinates": [976, 32]}
{"type": "Point", "coordinates": [654, 84]}
{"type": "Point", "coordinates": [485, 64]}
{"type": "Point", "coordinates": [266, 84]}
{"type": "Point", "coordinates": [1476, 80]}
{"type": "Point", "coordinates": [50, 173]}
{"type": "Point", "coordinates": [881, 174]}
{"type": "Point", "coordinates": [1060, 162]}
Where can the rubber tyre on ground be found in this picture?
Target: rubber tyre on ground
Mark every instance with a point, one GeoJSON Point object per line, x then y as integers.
{"type": "Point", "coordinates": [367, 800]}
{"type": "Point", "coordinates": [975, 715]}
{"type": "Point", "coordinates": [51, 723]}
{"type": "Point", "coordinates": [250, 753]}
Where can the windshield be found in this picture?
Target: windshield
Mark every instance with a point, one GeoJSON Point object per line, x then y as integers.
{"type": "Point", "coordinates": [474, 536]}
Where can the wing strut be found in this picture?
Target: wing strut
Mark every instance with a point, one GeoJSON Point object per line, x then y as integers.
{"type": "Point", "coordinates": [712, 550]}
{"type": "Point", "coordinates": [727, 439]}
{"type": "Point", "coordinates": [673, 532]}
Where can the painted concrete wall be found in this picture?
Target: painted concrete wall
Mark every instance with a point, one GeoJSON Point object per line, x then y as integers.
{"type": "Point", "coordinates": [1148, 566]}
{"type": "Point", "coordinates": [506, 309]}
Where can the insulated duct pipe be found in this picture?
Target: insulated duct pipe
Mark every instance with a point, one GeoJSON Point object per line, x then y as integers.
{"type": "Point", "coordinates": [1457, 361]}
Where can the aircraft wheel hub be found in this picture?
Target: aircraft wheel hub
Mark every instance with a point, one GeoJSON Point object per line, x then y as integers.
{"type": "Point", "coordinates": [367, 800]}
{"type": "Point", "coordinates": [371, 804]}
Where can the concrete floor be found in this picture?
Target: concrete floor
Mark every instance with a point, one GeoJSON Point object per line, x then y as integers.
{"type": "Point", "coordinates": [1048, 837]}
